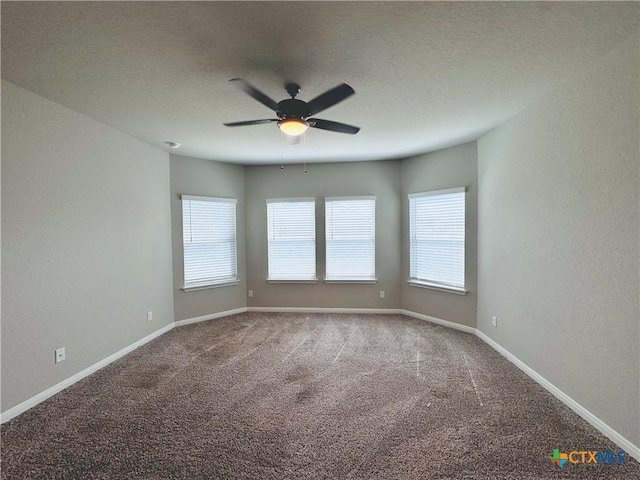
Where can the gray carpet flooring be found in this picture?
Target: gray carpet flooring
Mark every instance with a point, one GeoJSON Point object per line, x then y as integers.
{"type": "Point", "coordinates": [302, 396]}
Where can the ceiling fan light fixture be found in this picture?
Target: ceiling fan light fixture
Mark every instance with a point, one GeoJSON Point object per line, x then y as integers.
{"type": "Point", "coordinates": [293, 113]}
{"type": "Point", "coordinates": [293, 126]}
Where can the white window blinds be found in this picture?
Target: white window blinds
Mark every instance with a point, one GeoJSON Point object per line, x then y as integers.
{"type": "Point", "coordinates": [209, 241]}
{"type": "Point", "coordinates": [437, 237]}
{"type": "Point", "coordinates": [291, 239]}
{"type": "Point", "coordinates": [350, 238]}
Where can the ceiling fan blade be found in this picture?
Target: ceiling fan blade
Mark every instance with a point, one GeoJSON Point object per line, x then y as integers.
{"type": "Point", "coordinates": [249, 89]}
{"type": "Point", "coordinates": [332, 126]}
{"type": "Point", "coordinates": [330, 98]}
{"type": "Point", "coordinates": [250, 122]}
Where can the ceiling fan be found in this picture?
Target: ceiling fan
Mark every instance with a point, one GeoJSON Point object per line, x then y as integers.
{"type": "Point", "coordinates": [293, 114]}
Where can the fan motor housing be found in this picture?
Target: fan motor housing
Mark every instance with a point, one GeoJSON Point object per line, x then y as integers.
{"type": "Point", "coordinates": [292, 108]}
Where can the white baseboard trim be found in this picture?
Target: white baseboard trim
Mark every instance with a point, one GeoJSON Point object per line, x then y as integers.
{"type": "Point", "coordinates": [382, 311]}
{"type": "Point", "coordinates": [49, 392]}
{"type": "Point", "coordinates": [594, 421]}
{"type": "Point", "coordinates": [203, 318]}
{"type": "Point", "coordinates": [439, 321]}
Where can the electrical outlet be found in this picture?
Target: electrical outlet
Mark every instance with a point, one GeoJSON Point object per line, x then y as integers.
{"type": "Point", "coordinates": [250, 293]}
{"type": "Point", "coordinates": [60, 355]}
{"type": "Point", "coordinates": [149, 316]}
{"type": "Point", "coordinates": [494, 321]}
{"type": "Point", "coordinates": [381, 293]}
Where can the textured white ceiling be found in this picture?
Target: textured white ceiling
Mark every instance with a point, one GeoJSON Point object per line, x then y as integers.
{"type": "Point", "coordinates": [427, 75]}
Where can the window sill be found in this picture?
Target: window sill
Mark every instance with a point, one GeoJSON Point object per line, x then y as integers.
{"type": "Point", "coordinates": [351, 280]}
{"type": "Point", "coordinates": [435, 286]}
{"type": "Point", "coordinates": [313, 280]}
{"type": "Point", "coordinates": [215, 285]}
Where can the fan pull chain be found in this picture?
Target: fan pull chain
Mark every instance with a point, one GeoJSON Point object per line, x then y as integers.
{"type": "Point", "coordinates": [281, 150]}
{"type": "Point", "coordinates": [304, 151]}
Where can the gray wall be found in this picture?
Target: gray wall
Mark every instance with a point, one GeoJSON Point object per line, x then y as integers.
{"type": "Point", "coordinates": [449, 168]}
{"type": "Point", "coordinates": [558, 238]}
{"type": "Point", "coordinates": [86, 242]}
{"type": "Point", "coordinates": [192, 176]}
{"type": "Point", "coordinates": [325, 180]}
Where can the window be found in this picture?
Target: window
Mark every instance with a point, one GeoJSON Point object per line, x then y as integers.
{"type": "Point", "coordinates": [437, 238]}
{"type": "Point", "coordinates": [209, 241]}
{"type": "Point", "coordinates": [291, 239]}
{"type": "Point", "coordinates": [351, 238]}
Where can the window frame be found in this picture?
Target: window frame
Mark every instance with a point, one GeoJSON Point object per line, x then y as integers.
{"type": "Point", "coordinates": [227, 281]}
{"type": "Point", "coordinates": [328, 279]}
{"type": "Point", "coordinates": [429, 283]}
{"type": "Point", "coordinates": [311, 279]}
